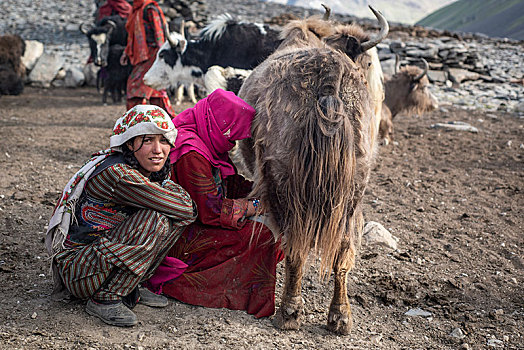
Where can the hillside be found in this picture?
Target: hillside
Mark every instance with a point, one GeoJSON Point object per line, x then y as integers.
{"type": "Point", "coordinates": [495, 18]}
{"type": "Point", "coordinates": [402, 11]}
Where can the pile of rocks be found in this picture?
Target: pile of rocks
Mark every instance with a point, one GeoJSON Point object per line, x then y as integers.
{"type": "Point", "coordinates": [448, 58]}
{"type": "Point", "coordinates": [194, 11]}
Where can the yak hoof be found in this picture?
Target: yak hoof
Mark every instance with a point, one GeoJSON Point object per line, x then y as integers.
{"type": "Point", "coordinates": [339, 319]}
{"type": "Point", "coordinates": [290, 314]}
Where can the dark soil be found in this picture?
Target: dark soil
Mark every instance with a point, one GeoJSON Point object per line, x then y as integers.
{"type": "Point", "coordinates": [453, 199]}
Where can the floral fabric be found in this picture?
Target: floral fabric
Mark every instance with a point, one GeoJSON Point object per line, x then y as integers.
{"type": "Point", "coordinates": [142, 120]}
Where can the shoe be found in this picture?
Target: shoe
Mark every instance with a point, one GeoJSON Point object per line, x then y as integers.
{"type": "Point", "coordinates": [151, 299]}
{"type": "Point", "coordinates": [115, 314]}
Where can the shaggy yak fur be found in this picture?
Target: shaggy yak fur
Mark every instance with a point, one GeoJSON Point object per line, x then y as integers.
{"type": "Point", "coordinates": [407, 92]}
{"type": "Point", "coordinates": [310, 154]}
{"type": "Point", "coordinates": [12, 70]}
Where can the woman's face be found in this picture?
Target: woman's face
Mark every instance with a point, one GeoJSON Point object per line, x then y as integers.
{"type": "Point", "coordinates": [151, 154]}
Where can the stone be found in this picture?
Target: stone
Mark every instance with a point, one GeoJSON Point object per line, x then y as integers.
{"type": "Point", "coordinates": [458, 333]}
{"type": "Point", "coordinates": [45, 70]}
{"type": "Point", "coordinates": [495, 343]}
{"type": "Point", "coordinates": [33, 50]}
{"type": "Point", "coordinates": [457, 126]}
{"type": "Point", "coordinates": [459, 75]}
{"type": "Point", "coordinates": [375, 233]}
{"type": "Point", "coordinates": [428, 53]}
{"type": "Point", "coordinates": [418, 312]}
{"type": "Point", "coordinates": [61, 74]}
{"type": "Point", "coordinates": [437, 76]}
{"type": "Point", "coordinates": [74, 78]}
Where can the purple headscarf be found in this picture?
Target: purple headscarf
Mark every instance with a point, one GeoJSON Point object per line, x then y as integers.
{"type": "Point", "coordinates": [211, 127]}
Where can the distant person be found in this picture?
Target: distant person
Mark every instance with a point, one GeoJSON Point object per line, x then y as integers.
{"type": "Point", "coordinates": [145, 28]}
{"type": "Point", "coordinates": [117, 218]}
{"type": "Point", "coordinates": [113, 7]}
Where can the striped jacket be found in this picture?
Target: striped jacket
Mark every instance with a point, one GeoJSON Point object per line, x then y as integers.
{"type": "Point", "coordinates": [117, 192]}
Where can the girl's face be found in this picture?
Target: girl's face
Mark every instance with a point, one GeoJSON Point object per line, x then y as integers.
{"type": "Point", "coordinates": [151, 154]}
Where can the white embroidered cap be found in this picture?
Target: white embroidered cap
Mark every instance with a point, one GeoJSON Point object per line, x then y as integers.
{"type": "Point", "coordinates": [142, 120]}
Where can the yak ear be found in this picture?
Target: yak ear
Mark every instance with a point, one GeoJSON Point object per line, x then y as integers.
{"type": "Point", "coordinates": [347, 44]}
{"type": "Point", "coordinates": [353, 47]}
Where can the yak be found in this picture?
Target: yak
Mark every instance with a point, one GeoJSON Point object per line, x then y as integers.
{"type": "Point", "coordinates": [12, 70]}
{"type": "Point", "coordinates": [312, 147]}
{"type": "Point", "coordinates": [406, 91]}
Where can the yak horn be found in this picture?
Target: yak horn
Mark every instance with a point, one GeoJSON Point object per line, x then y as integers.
{"type": "Point", "coordinates": [83, 28]}
{"type": "Point", "coordinates": [183, 29]}
{"type": "Point", "coordinates": [172, 42]}
{"type": "Point", "coordinates": [327, 13]}
{"type": "Point", "coordinates": [111, 23]}
{"type": "Point", "coordinates": [384, 29]}
{"type": "Point", "coordinates": [397, 63]}
{"type": "Point", "coordinates": [426, 66]}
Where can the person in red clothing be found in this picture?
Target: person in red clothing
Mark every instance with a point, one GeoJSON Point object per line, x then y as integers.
{"type": "Point", "coordinates": [113, 7]}
{"type": "Point", "coordinates": [231, 259]}
{"type": "Point", "coordinates": [145, 28]}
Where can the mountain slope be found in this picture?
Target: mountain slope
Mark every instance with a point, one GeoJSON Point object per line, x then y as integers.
{"type": "Point", "coordinates": [400, 11]}
{"type": "Point", "coordinates": [495, 18]}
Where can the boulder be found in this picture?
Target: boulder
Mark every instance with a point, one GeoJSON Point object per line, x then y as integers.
{"type": "Point", "coordinates": [33, 50]}
{"type": "Point", "coordinates": [375, 233]}
{"type": "Point", "coordinates": [45, 70]}
{"type": "Point", "coordinates": [458, 75]}
{"type": "Point", "coordinates": [74, 78]}
{"type": "Point", "coordinates": [456, 126]}
{"type": "Point", "coordinates": [429, 53]}
{"type": "Point", "coordinates": [437, 76]}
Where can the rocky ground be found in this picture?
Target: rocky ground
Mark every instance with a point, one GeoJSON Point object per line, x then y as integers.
{"type": "Point", "coordinates": [453, 199]}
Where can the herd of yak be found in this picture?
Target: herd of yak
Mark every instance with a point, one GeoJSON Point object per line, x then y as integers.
{"type": "Point", "coordinates": [322, 109]}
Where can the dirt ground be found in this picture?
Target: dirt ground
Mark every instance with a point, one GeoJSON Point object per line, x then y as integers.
{"type": "Point", "coordinates": [453, 199]}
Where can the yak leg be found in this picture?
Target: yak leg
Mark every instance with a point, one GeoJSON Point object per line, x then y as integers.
{"type": "Point", "coordinates": [191, 92]}
{"type": "Point", "coordinates": [291, 311]}
{"type": "Point", "coordinates": [104, 96]}
{"type": "Point", "coordinates": [339, 317]}
{"type": "Point", "coordinates": [179, 95]}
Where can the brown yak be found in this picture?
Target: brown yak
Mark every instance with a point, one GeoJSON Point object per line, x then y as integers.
{"type": "Point", "coordinates": [406, 91]}
{"type": "Point", "coordinates": [12, 70]}
{"type": "Point", "coordinates": [311, 151]}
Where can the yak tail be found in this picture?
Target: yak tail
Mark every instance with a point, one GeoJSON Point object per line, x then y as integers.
{"type": "Point", "coordinates": [322, 192]}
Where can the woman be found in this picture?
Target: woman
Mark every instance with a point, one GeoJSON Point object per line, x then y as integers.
{"type": "Point", "coordinates": [118, 217]}
{"type": "Point", "coordinates": [145, 28]}
{"type": "Point", "coordinates": [231, 260]}
{"type": "Point", "coordinates": [112, 8]}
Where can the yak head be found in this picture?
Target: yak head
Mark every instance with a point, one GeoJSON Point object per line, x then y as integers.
{"type": "Point", "coordinates": [408, 91]}
{"type": "Point", "coordinates": [169, 69]}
